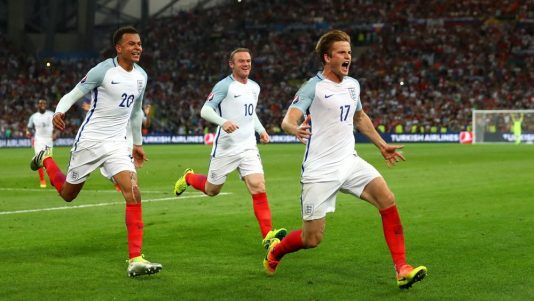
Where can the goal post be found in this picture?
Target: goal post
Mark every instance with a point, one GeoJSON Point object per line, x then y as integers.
{"type": "Point", "coordinates": [503, 126]}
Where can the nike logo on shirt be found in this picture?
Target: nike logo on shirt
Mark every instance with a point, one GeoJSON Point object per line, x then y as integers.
{"type": "Point", "coordinates": [114, 83]}
{"type": "Point", "coordinates": [236, 96]}
{"type": "Point", "coordinates": [326, 96]}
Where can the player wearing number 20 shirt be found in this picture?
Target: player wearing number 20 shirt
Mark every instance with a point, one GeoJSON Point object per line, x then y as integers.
{"type": "Point", "coordinates": [116, 86]}
{"type": "Point", "coordinates": [116, 94]}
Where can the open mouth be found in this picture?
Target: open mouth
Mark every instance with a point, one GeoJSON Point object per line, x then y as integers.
{"type": "Point", "coordinates": [345, 66]}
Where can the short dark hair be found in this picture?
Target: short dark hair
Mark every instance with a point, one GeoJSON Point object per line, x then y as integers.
{"type": "Point", "coordinates": [231, 58]}
{"type": "Point", "coordinates": [117, 35]}
{"type": "Point", "coordinates": [324, 46]}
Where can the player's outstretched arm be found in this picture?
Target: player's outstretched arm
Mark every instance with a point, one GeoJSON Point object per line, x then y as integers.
{"type": "Point", "coordinates": [389, 152]}
{"type": "Point", "coordinates": [290, 125]}
{"type": "Point", "coordinates": [392, 154]}
{"type": "Point", "coordinates": [64, 105]}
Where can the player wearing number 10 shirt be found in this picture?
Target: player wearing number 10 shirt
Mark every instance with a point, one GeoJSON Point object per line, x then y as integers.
{"type": "Point", "coordinates": [117, 86]}
{"type": "Point", "coordinates": [232, 106]}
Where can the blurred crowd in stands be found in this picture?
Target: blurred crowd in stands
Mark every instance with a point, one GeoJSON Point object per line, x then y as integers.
{"type": "Point", "coordinates": [422, 65]}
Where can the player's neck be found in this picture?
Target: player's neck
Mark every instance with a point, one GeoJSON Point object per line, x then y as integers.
{"type": "Point", "coordinates": [240, 79]}
{"type": "Point", "coordinates": [128, 66]}
{"type": "Point", "coordinates": [331, 75]}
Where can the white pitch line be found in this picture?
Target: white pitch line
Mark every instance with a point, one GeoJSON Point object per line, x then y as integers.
{"type": "Point", "coordinates": [104, 204]}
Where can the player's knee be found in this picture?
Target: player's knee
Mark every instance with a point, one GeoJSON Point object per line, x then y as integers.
{"type": "Point", "coordinates": [388, 200]}
{"type": "Point", "coordinates": [312, 240]}
{"type": "Point", "coordinates": [212, 192]}
{"type": "Point", "coordinates": [133, 193]}
{"type": "Point", "coordinates": [130, 197]}
{"type": "Point", "coordinates": [136, 193]}
{"type": "Point", "coordinates": [68, 198]}
{"type": "Point", "coordinates": [212, 189]}
{"type": "Point", "coordinates": [258, 187]}
{"type": "Point", "coordinates": [67, 195]}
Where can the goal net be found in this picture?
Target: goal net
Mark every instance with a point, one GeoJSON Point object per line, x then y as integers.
{"type": "Point", "coordinates": [503, 126]}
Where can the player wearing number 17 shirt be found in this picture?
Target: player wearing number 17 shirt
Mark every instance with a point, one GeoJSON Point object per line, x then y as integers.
{"type": "Point", "coordinates": [232, 106]}
{"type": "Point", "coordinates": [331, 103]}
{"type": "Point", "coordinates": [116, 86]}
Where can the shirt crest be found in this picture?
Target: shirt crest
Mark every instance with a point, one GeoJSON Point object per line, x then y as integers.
{"type": "Point", "coordinates": [352, 93]}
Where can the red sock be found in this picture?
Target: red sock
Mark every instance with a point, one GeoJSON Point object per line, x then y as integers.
{"type": "Point", "coordinates": [57, 178]}
{"type": "Point", "coordinates": [262, 212]}
{"type": "Point", "coordinates": [41, 174]}
{"type": "Point", "coordinates": [134, 226]}
{"type": "Point", "coordinates": [197, 181]}
{"type": "Point", "coordinates": [394, 235]}
{"type": "Point", "coordinates": [291, 243]}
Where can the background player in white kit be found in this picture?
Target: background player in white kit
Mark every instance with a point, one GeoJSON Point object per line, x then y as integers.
{"type": "Point", "coordinates": [117, 86]}
{"type": "Point", "coordinates": [41, 130]}
{"type": "Point", "coordinates": [331, 101]}
{"type": "Point", "coordinates": [232, 106]}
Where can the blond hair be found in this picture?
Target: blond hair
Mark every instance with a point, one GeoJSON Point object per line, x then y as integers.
{"type": "Point", "coordinates": [324, 46]}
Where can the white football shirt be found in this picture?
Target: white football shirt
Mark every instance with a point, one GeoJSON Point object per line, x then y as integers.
{"type": "Point", "coordinates": [114, 92]}
{"type": "Point", "coordinates": [237, 102]}
{"type": "Point", "coordinates": [42, 124]}
{"type": "Point", "coordinates": [332, 107]}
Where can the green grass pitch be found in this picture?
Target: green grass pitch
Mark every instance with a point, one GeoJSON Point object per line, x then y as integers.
{"type": "Point", "coordinates": [467, 211]}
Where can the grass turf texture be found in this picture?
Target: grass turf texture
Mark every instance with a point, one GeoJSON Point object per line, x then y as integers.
{"type": "Point", "coordinates": [466, 210]}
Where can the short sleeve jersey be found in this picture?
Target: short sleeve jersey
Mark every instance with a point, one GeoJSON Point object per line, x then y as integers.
{"type": "Point", "coordinates": [234, 101]}
{"type": "Point", "coordinates": [42, 123]}
{"type": "Point", "coordinates": [114, 92]}
{"type": "Point", "coordinates": [332, 107]}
